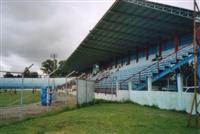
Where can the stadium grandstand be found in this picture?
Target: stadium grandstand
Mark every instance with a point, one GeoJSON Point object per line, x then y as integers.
{"type": "Point", "coordinates": [136, 44]}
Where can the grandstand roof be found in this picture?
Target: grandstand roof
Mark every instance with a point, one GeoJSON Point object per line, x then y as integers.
{"type": "Point", "coordinates": [129, 24]}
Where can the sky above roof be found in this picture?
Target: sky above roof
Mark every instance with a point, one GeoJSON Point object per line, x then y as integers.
{"type": "Point", "coordinates": [31, 30]}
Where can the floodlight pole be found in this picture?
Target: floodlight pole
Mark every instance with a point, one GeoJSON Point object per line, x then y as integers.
{"type": "Point", "coordinates": [66, 82]}
{"type": "Point", "coordinates": [21, 100]}
{"type": "Point", "coordinates": [194, 100]}
{"type": "Point", "coordinates": [22, 88]}
{"type": "Point", "coordinates": [68, 76]}
{"type": "Point", "coordinates": [48, 82]}
{"type": "Point", "coordinates": [25, 70]}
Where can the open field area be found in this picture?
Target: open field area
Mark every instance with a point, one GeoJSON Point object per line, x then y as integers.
{"type": "Point", "coordinates": [106, 118]}
{"type": "Point", "coordinates": [11, 99]}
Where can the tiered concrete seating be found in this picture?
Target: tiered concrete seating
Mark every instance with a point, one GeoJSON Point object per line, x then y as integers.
{"type": "Point", "coordinates": [139, 72]}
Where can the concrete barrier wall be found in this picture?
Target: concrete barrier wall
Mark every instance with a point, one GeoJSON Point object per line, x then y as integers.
{"type": "Point", "coordinates": [164, 100]}
{"type": "Point", "coordinates": [122, 95]}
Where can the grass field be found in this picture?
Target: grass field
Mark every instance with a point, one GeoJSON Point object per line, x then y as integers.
{"type": "Point", "coordinates": [104, 118]}
{"type": "Point", "coordinates": [7, 99]}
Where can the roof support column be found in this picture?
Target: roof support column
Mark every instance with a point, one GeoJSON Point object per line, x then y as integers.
{"type": "Point", "coordinates": [147, 51]}
{"type": "Point", "coordinates": [129, 57]}
{"type": "Point", "coordinates": [130, 87]}
{"type": "Point", "coordinates": [116, 61]}
{"type": "Point", "coordinates": [137, 55]}
{"type": "Point", "coordinates": [149, 83]}
{"type": "Point", "coordinates": [179, 78]}
{"type": "Point", "coordinates": [160, 48]}
{"type": "Point", "coordinates": [176, 44]}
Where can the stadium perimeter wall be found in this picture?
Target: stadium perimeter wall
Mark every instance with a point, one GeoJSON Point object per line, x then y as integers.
{"type": "Point", "coordinates": [121, 95]}
{"type": "Point", "coordinates": [85, 91]}
{"type": "Point", "coordinates": [164, 100]}
{"type": "Point", "coordinates": [161, 99]}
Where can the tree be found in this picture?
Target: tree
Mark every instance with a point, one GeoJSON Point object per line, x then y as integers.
{"type": "Point", "coordinates": [8, 75]}
{"type": "Point", "coordinates": [18, 76]}
{"type": "Point", "coordinates": [34, 75]}
{"type": "Point", "coordinates": [29, 74]}
{"type": "Point", "coordinates": [49, 66]}
{"type": "Point", "coordinates": [60, 72]}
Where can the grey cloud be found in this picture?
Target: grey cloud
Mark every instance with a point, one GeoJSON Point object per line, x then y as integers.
{"type": "Point", "coordinates": [34, 30]}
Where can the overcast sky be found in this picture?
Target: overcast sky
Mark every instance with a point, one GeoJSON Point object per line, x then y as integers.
{"type": "Point", "coordinates": [33, 29]}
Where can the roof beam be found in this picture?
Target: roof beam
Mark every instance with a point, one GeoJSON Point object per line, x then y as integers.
{"type": "Point", "coordinates": [98, 46]}
{"type": "Point", "coordinates": [100, 49]}
{"type": "Point", "coordinates": [167, 24]}
{"type": "Point", "coordinates": [115, 48]}
{"type": "Point", "coordinates": [90, 54]}
{"type": "Point", "coordinates": [110, 42]}
{"type": "Point", "coordinates": [123, 41]}
{"type": "Point", "coordinates": [146, 29]}
{"type": "Point", "coordinates": [118, 38]}
{"type": "Point", "coordinates": [124, 33]}
{"type": "Point", "coordinates": [126, 29]}
{"type": "Point", "coordinates": [164, 8]}
{"type": "Point", "coordinates": [82, 63]}
{"type": "Point", "coordinates": [83, 48]}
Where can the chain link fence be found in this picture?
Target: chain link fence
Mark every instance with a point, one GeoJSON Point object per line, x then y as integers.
{"type": "Point", "coordinates": [19, 101]}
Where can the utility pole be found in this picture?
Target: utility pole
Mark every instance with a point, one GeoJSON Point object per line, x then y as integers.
{"type": "Point", "coordinates": [54, 56]}
{"type": "Point", "coordinates": [66, 77]}
{"type": "Point", "coordinates": [194, 100]}
{"type": "Point", "coordinates": [22, 88]}
{"type": "Point", "coordinates": [25, 70]}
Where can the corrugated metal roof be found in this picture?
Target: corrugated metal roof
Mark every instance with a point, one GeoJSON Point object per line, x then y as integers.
{"type": "Point", "coordinates": [127, 25]}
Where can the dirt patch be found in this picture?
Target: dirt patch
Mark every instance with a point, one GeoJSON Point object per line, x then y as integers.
{"type": "Point", "coordinates": [29, 110]}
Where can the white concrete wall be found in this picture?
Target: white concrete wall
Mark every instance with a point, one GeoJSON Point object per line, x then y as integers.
{"type": "Point", "coordinates": [122, 95]}
{"type": "Point", "coordinates": [164, 100]}
{"type": "Point", "coordinates": [85, 91]}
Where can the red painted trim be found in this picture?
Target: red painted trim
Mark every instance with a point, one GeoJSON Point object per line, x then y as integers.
{"type": "Point", "coordinates": [116, 59]}
{"type": "Point", "coordinates": [160, 49]}
{"type": "Point", "coordinates": [137, 55]}
{"type": "Point", "coordinates": [122, 60]}
{"type": "Point", "coordinates": [129, 57]}
{"type": "Point", "coordinates": [147, 52]}
{"type": "Point", "coordinates": [176, 42]}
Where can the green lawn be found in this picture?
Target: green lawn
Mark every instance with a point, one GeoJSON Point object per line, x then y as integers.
{"type": "Point", "coordinates": [106, 118]}
{"type": "Point", "coordinates": [7, 99]}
